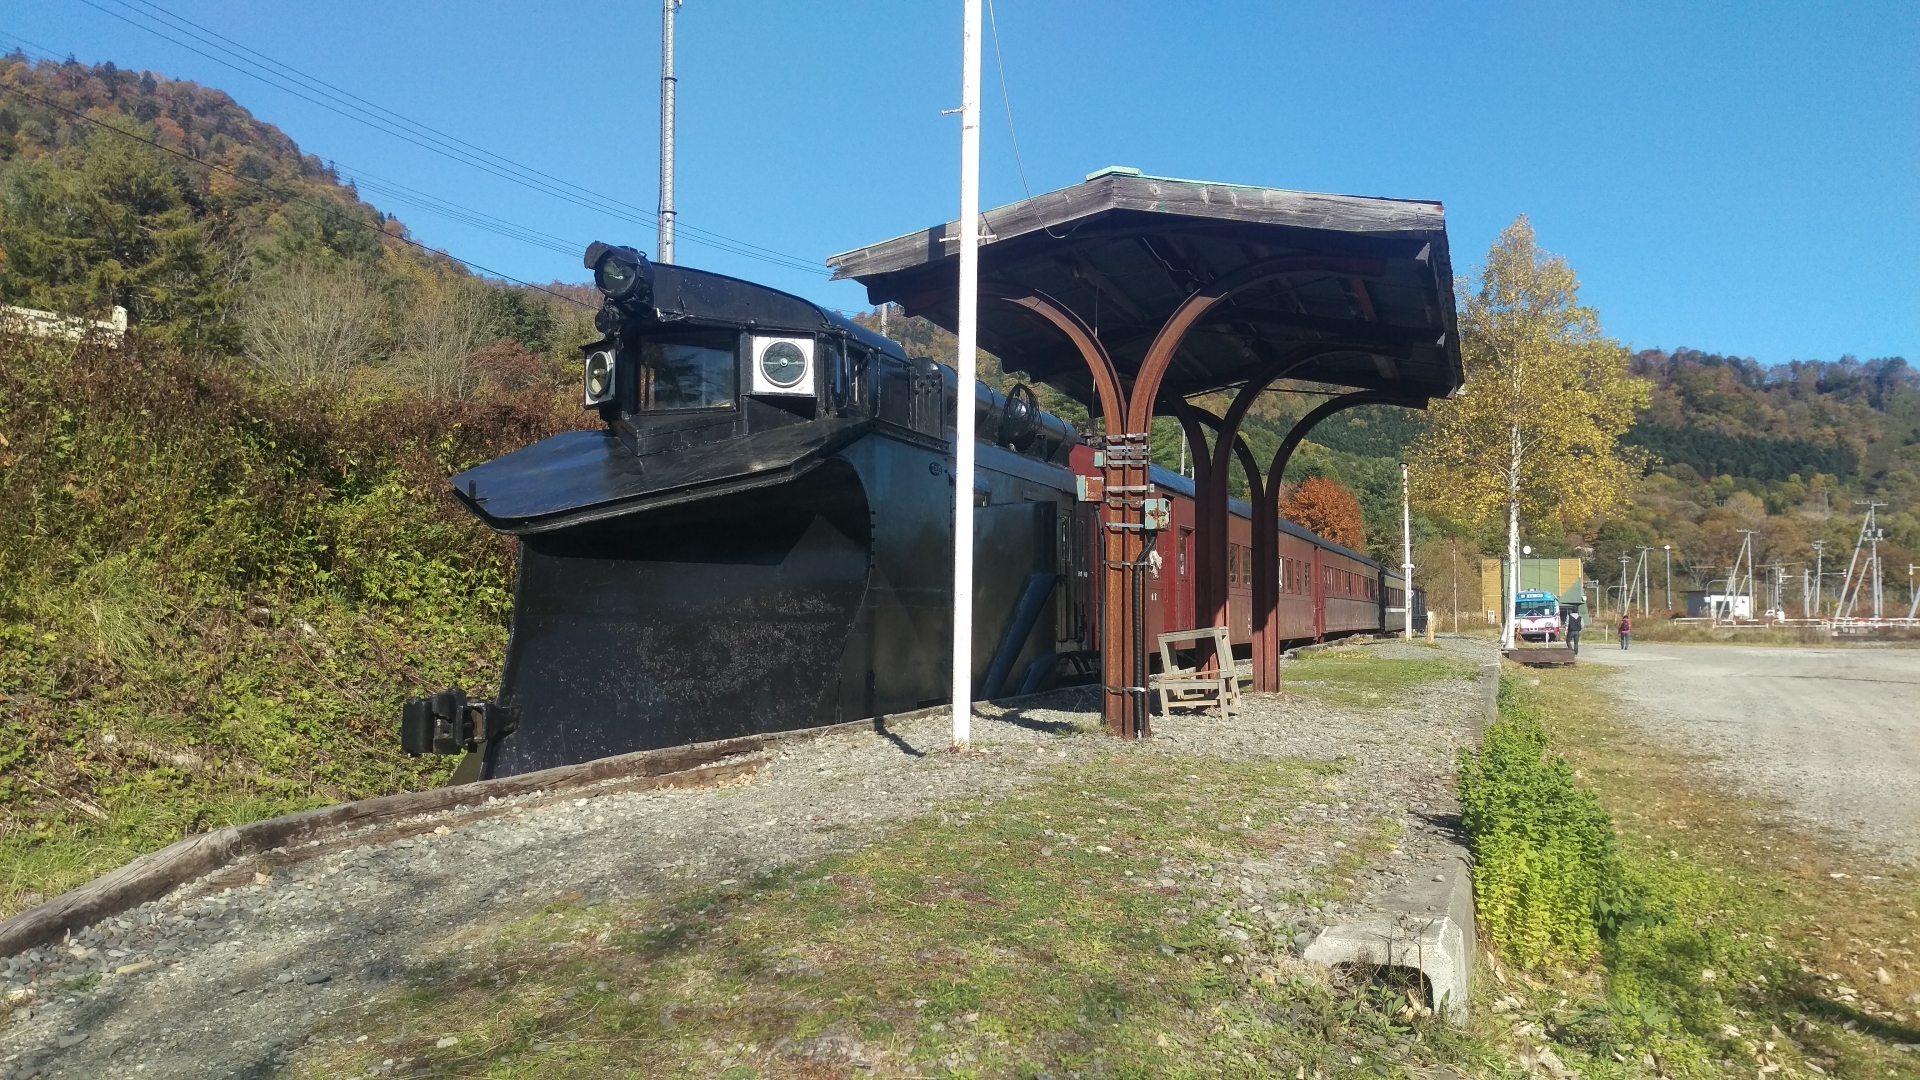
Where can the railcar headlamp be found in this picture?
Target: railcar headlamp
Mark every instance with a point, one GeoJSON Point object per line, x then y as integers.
{"type": "Point", "coordinates": [620, 273]}
{"type": "Point", "coordinates": [783, 364]}
{"type": "Point", "coordinates": [600, 377]}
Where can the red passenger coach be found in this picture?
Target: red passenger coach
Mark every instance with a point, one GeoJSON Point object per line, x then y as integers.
{"type": "Point", "coordinates": [1326, 590]}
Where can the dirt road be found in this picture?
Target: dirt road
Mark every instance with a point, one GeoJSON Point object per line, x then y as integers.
{"type": "Point", "coordinates": [1833, 734]}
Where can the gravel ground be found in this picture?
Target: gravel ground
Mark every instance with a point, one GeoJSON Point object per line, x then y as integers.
{"type": "Point", "coordinates": [231, 983]}
{"type": "Point", "coordinates": [1830, 735]}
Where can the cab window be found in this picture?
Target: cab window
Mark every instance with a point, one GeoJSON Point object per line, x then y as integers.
{"type": "Point", "coordinates": [687, 371]}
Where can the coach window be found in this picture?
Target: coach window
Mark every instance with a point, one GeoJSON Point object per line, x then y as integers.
{"type": "Point", "coordinates": [687, 371]}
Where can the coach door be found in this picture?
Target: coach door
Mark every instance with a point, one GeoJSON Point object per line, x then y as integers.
{"type": "Point", "coordinates": [1320, 587]}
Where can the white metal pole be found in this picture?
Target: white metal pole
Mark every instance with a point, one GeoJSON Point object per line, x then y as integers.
{"type": "Point", "coordinates": [963, 404]}
{"type": "Point", "coordinates": [1406, 548]}
{"type": "Point", "coordinates": [669, 83]}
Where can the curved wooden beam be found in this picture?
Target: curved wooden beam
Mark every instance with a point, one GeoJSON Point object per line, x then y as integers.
{"type": "Point", "coordinates": [1146, 386]}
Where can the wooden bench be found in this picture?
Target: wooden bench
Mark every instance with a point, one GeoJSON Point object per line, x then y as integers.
{"type": "Point", "coordinates": [1192, 688]}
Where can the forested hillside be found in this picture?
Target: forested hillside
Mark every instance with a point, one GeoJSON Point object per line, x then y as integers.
{"type": "Point", "coordinates": [226, 548]}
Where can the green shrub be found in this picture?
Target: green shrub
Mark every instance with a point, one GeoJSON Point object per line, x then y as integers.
{"type": "Point", "coordinates": [1548, 883]}
{"type": "Point", "coordinates": [215, 593]}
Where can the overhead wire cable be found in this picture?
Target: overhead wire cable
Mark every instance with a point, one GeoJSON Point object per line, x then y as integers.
{"type": "Point", "coordinates": [384, 119]}
{"type": "Point", "coordinates": [316, 91]}
{"type": "Point", "coordinates": [322, 204]}
{"type": "Point", "coordinates": [633, 215]}
{"type": "Point", "coordinates": [1006, 97]}
{"type": "Point", "coordinates": [432, 204]}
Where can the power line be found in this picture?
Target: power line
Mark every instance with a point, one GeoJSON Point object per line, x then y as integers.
{"type": "Point", "coordinates": [322, 204]}
{"type": "Point", "coordinates": [1007, 98]}
{"type": "Point", "coordinates": [432, 204]}
{"type": "Point", "coordinates": [335, 99]}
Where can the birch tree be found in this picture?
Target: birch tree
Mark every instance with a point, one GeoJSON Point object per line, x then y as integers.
{"type": "Point", "coordinates": [1536, 431]}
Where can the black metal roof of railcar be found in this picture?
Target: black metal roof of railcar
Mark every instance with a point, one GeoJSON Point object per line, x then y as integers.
{"type": "Point", "coordinates": [1124, 250]}
{"type": "Point", "coordinates": [1174, 482]}
{"type": "Point", "coordinates": [682, 292]}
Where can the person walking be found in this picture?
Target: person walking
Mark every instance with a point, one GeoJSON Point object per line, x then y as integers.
{"type": "Point", "coordinates": [1626, 632]}
{"type": "Point", "coordinates": [1573, 630]}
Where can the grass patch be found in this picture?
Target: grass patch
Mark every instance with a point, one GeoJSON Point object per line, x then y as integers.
{"type": "Point", "coordinates": [1753, 949]}
{"type": "Point", "coordinates": [1072, 930]}
{"type": "Point", "coordinates": [1357, 677]}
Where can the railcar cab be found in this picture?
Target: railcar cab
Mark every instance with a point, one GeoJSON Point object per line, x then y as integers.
{"type": "Point", "coordinates": [692, 358]}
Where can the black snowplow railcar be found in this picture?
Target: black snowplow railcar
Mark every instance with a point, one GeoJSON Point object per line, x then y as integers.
{"type": "Point", "coordinates": [761, 537]}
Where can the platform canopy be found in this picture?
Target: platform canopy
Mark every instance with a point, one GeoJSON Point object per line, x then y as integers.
{"type": "Point", "coordinates": [1338, 289]}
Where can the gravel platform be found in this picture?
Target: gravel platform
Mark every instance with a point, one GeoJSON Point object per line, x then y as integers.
{"type": "Point", "coordinates": [231, 982]}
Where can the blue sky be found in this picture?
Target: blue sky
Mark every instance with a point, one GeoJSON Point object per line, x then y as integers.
{"type": "Point", "coordinates": [1742, 178]}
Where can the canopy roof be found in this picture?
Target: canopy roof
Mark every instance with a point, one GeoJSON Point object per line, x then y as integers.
{"type": "Point", "coordinates": [1367, 301]}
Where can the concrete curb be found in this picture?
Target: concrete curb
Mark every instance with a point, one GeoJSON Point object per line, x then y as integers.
{"type": "Point", "coordinates": [1427, 924]}
{"type": "Point", "coordinates": [1490, 699]}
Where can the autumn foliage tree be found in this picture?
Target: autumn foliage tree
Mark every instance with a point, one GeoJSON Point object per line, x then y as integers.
{"type": "Point", "coordinates": [1536, 431]}
{"type": "Point", "coordinates": [1323, 506]}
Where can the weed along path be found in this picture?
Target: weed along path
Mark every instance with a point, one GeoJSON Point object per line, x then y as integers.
{"type": "Point", "coordinates": [1832, 735]}
{"type": "Point", "coordinates": [1054, 904]}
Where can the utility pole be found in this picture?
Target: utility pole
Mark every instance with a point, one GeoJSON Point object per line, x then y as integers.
{"type": "Point", "coordinates": [1625, 596]}
{"type": "Point", "coordinates": [1850, 586]}
{"type": "Point", "coordinates": [1406, 547]}
{"type": "Point", "coordinates": [1819, 549]}
{"type": "Point", "coordinates": [1733, 578]}
{"type": "Point", "coordinates": [967, 329]}
{"type": "Point", "coordinates": [1455, 542]}
{"type": "Point", "coordinates": [1669, 550]}
{"type": "Point", "coordinates": [669, 83]}
{"type": "Point", "coordinates": [1642, 583]}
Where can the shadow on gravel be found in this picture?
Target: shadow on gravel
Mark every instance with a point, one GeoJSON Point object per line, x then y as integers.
{"type": "Point", "coordinates": [1019, 718]}
{"type": "Point", "coordinates": [1841, 1015]}
{"type": "Point", "coordinates": [1448, 824]}
{"type": "Point", "coordinates": [905, 747]}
